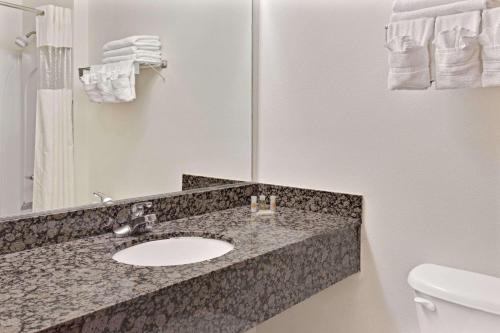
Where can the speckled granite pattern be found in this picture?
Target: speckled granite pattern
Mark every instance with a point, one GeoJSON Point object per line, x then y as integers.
{"type": "Point", "coordinates": [34, 230]}
{"type": "Point", "coordinates": [277, 262]}
{"type": "Point", "coordinates": [191, 182]}
{"type": "Point", "coordinates": [340, 204]}
{"type": "Point", "coordinates": [31, 231]}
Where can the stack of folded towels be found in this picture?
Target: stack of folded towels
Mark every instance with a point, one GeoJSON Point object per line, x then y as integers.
{"type": "Point", "coordinates": [441, 41]}
{"type": "Point", "coordinates": [110, 83]}
{"type": "Point", "coordinates": [145, 50]}
{"type": "Point", "coordinates": [412, 9]}
{"type": "Point", "coordinates": [114, 80]}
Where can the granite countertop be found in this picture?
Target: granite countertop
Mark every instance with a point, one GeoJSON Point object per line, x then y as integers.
{"type": "Point", "coordinates": [52, 285]}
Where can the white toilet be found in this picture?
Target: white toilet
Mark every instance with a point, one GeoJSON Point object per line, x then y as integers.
{"type": "Point", "coordinates": [455, 301]}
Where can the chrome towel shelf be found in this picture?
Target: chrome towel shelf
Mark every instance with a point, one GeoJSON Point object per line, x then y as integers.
{"type": "Point", "coordinates": [163, 65]}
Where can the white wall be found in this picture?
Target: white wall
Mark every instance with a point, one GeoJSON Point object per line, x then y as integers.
{"type": "Point", "coordinates": [10, 133]}
{"type": "Point", "coordinates": [80, 102]}
{"type": "Point", "coordinates": [427, 163]}
{"type": "Point", "coordinates": [198, 121]}
{"type": "Point", "coordinates": [11, 25]}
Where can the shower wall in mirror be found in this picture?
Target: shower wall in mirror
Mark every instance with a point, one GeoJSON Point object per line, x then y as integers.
{"type": "Point", "coordinates": [193, 117]}
{"type": "Point", "coordinates": [18, 91]}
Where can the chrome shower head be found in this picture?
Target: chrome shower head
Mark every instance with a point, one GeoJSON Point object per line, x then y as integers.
{"type": "Point", "coordinates": [23, 41]}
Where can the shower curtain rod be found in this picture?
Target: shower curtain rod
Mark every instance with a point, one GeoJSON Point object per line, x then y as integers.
{"type": "Point", "coordinates": [26, 9]}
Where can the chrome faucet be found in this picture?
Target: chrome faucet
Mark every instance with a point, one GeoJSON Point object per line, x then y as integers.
{"type": "Point", "coordinates": [139, 223]}
{"type": "Point", "coordinates": [103, 198]}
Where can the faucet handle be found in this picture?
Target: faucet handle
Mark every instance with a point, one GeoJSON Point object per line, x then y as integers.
{"type": "Point", "coordinates": [151, 218]}
{"type": "Point", "coordinates": [150, 221]}
{"type": "Point", "coordinates": [138, 208]}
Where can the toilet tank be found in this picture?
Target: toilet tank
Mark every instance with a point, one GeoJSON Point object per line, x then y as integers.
{"type": "Point", "coordinates": [455, 301]}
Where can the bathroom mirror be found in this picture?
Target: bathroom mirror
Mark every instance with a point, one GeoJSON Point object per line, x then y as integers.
{"type": "Point", "coordinates": [57, 147]}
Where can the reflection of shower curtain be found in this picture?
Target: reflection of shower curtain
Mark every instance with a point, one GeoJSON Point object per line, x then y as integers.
{"type": "Point", "coordinates": [54, 184]}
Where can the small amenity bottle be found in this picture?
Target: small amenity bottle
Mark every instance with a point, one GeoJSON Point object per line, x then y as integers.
{"type": "Point", "coordinates": [262, 202]}
{"type": "Point", "coordinates": [273, 203]}
{"type": "Point", "coordinates": [253, 205]}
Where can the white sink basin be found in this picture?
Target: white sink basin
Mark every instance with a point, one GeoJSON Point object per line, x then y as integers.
{"type": "Point", "coordinates": [173, 252]}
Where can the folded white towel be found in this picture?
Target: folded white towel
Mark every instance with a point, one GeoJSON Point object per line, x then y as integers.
{"type": "Point", "coordinates": [148, 60]}
{"type": "Point", "coordinates": [490, 22]}
{"type": "Point", "coordinates": [92, 91]}
{"type": "Point", "coordinates": [149, 48]}
{"type": "Point", "coordinates": [138, 54]}
{"type": "Point", "coordinates": [491, 67]}
{"type": "Point", "coordinates": [458, 63]}
{"type": "Point", "coordinates": [411, 5]}
{"type": "Point", "coordinates": [443, 10]}
{"type": "Point", "coordinates": [491, 17]}
{"type": "Point", "coordinates": [132, 50]}
{"type": "Point", "coordinates": [145, 40]}
{"type": "Point", "coordinates": [409, 62]}
{"type": "Point", "coordinates": [470, 21]}
{"type": "Point", "coordinates": [146, 54]}
{"type": "Point", "coordinates": [421, 30]}
{"type": "Point", "coordinates": [111, 83]}
{"type": "Point", "coordinates": [490, 40]}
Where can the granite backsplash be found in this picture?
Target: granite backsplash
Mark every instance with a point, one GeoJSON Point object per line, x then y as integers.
{"type": "Point", "coordinates": [35, 230]}
{"type": "Point", "coordinates": [32, 231]}
{"type": "Point", "coordinates": [192, 182]}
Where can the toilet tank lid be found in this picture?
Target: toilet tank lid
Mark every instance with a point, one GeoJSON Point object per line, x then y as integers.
{"type": "Point", "coordinates": [473, 290]}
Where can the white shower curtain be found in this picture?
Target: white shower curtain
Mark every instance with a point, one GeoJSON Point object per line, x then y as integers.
{"type": "Point", "coordinates": [54, 183]}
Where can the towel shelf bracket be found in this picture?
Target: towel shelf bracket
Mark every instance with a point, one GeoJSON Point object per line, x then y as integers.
{"type": "Point", "coordinates": [163, 65]}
